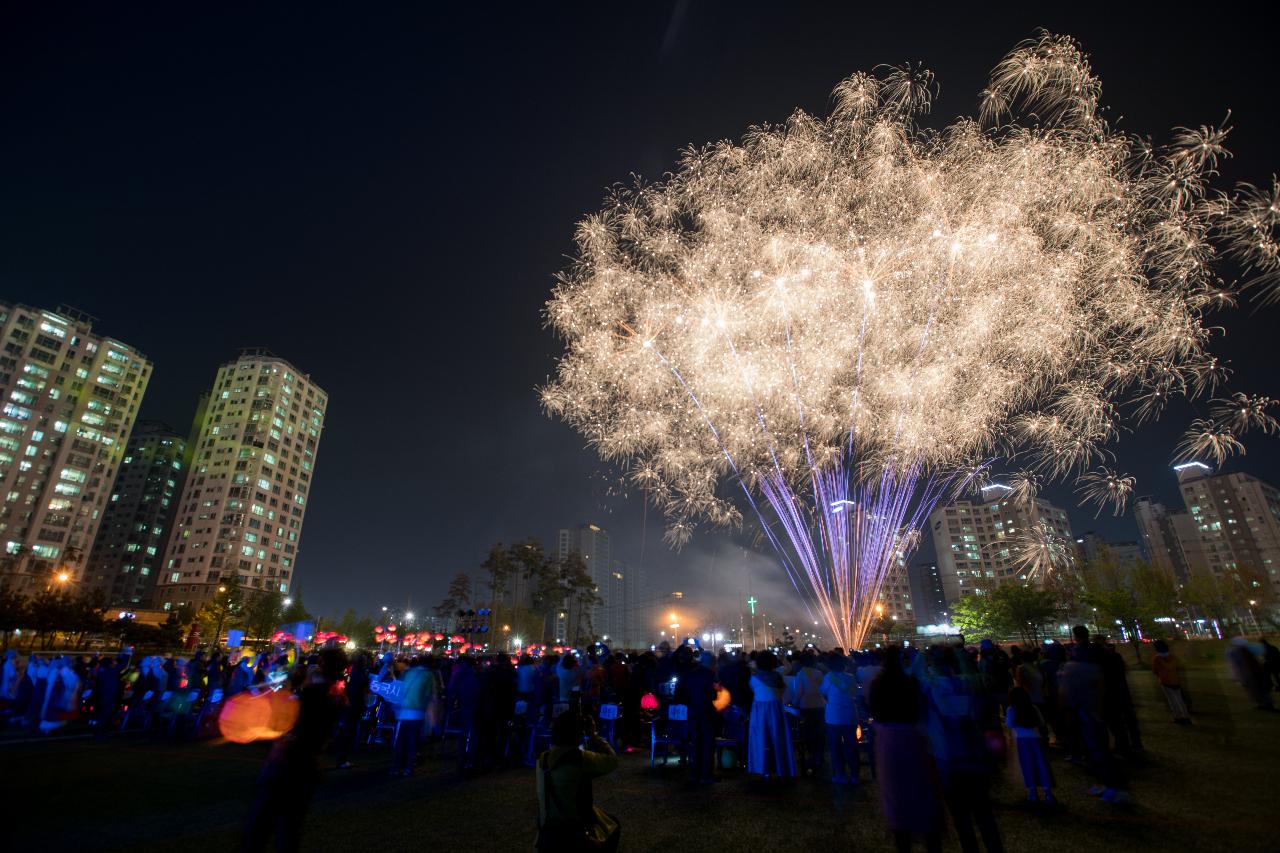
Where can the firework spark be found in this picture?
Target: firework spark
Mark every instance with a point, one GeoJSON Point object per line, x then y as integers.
{"type": "Point", "coordinates": [1040, 550]}
{"type": "Point", "coordinates": [1105, 486]}
{"type": "Point", "coordinates": [847, 318]}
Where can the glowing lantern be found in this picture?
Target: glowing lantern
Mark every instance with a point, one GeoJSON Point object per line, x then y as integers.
{"type": "Point", "coordinates": [722, 699]}
{"type": "Point", "coordinates": [649, 702]}
{"type": "Point", "coordinates": [248, 716]}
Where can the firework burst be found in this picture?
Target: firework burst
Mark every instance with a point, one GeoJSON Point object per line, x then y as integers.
{"type": "Point", "coordinates": [846, 319]}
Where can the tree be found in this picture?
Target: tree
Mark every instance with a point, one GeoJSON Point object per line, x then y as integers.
{"type": "Point", "coordinates": [51, 611]}
{"type": "Point", "coordinates": [460, 589]}
{"type": "Point", "coordinates": [501, 566]}
{"type": "Point", "coordinates": [296, 611]}
{"type": "Point", "coordinates": [14, 612]}
{"type": "Point", "coordinates": [543, 575]}
{"type": "Point", "coordinates": [446, 608]}
{"type": "Point", "coordinates": [169, 634]}
{"type": "Point", "coordinates": [581, 595]}
{"type": "Point", "coordinates": [86, 615]}
{"type": "Point", "coordinates": [1129, 596]}
{"type": "Point", "coordinates": [975, 615]}
{"type": "Point", "coordinates": [263, 613]}
{"type": "Point", "coordinates": [1024, 609]}
{"type": "Point", "coordinates": [225, 608]}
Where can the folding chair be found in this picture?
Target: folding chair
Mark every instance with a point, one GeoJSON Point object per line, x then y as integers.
{"type": "Point", "coordinates": [609, 715]}
{"type": "Point", "coordinates": [675, 732]}
{"type": "Point", "coordinates": [733, 734]}
{"type": "Point", "coordinates": [384, 723]}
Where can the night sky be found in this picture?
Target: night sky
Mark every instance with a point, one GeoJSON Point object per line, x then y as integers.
{"type": "Point", "coordinates": [383, 199]}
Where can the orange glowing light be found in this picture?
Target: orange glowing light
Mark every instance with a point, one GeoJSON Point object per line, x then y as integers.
{"type": "Point", "coordinates": [247, 717]}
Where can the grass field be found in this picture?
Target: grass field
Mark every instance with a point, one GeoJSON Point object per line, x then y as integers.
{"type": "Point", "coordinates": [1215, 786]}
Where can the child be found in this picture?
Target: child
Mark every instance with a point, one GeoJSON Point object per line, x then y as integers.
{"type": "Point", "coordinates": [1024, 720]}
{"type": "Point", "coordinates": [1165, 666]}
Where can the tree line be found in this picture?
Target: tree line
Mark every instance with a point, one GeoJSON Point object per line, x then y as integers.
{"type": "Point", "coordinates": [555, 586]}
{"type": "Point", "coordinates": [1108, 595]}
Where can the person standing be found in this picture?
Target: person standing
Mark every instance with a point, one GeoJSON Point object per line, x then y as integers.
{"type": "Point", "coordinates": [292, 771]}
{"type": "Point", "coordinates": [1117, 703]}
{"type": "Point", "coordinates": [769, 751]}
{"type": "Point", "coordinates": [357, 694]}
{"type": "Point", "coordinates": [805, 694]}
{"type": "Point", "coordinates": [9, 680]}
{"type": "Point", "coordinates": [1026, 723]}
{"type": "Point", "coordinates": [1080, 687]}
{"type": "Point", "coordinates": [956, 711]}
{"type": "Point", "coordinates": [106, 696]}
{"type": "Point", "coordinates": [1165, 666]}
{"type": "Point", "coordinates": [1271, 662]}
{"type": "Point", "coordinates": [904, 772]}
{"type": "Point", "coordinates": [840, 690]}
{"type": "Point", "coordinates": [697, 690]}
{"type": "Point", "coordinates": [411, 717]}
{"type": "Point", "coordinates": [1246, 669]}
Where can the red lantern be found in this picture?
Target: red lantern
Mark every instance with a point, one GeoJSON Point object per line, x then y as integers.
{"type": "Point", "coordinates": [649, 702]}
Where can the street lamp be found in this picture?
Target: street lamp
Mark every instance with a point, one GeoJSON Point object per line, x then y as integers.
{"type": "Point", "coordinates": [63, 577]}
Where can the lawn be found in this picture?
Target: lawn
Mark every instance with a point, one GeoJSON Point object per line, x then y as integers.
{"type": "Point", "coordinates": [1210, 787]}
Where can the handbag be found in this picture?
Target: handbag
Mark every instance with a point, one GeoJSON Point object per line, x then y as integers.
{"type": "Point", "coordinates": [599, 833]}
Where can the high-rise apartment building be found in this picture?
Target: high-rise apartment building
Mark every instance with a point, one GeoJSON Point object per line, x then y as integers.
{"type": "Point", "coordinates": [926, 590]}
{"type": "Point", "coordinates": [590, 542]}
{"type": "Point", "coordinates": [70, 399]}
{"type": "Point", "coordinates": [253, 464]}
{"type": "Point", "coordinates": [1236, 518]}
{"type": "Point", "coordinates": [623, 615]}
{"type": "Point", "coordinates": [976, 539]}
{"type": "Point", "coordinates": [1093, 546]}
{"type": "Point", "coordinates": [636, 608]}
{"type": "Point", "coordinates": [1163, 533]}
{"type": "Point", "coordinates": [129, 549]}
{"type": "Point", "coordinates": [895, 594]}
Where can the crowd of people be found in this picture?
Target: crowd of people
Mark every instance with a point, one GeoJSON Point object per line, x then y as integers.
{"type": "Point", "coordinates": [933, 726]}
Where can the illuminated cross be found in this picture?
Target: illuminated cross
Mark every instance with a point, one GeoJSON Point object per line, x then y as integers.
{"type": "Point", "coordinates": [751, 602]}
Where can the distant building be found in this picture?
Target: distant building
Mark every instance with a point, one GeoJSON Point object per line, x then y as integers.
{"type": "Point", "coordinates": [591, 542]}
{"type": "Point", "coordinates": [1236, 518]}
{"type": "Point", "coordinates": [1092, 546]}
{"type": "Point", "coordinates": [895, 595]}
{"type": "Point", "coordinates": [251, 474]}
{"type": "Point", "coordinates": [70, 399]}
{"type": "Point", "coordinates": [976, 539]}
{"type": "Point", "coordinates": [927, 593]}
{"type": "Point", "coordinates": [1161, 539]}
{"type": "Point", "coordinates": [129, 549]}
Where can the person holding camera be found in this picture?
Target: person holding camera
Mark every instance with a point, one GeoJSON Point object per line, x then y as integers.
{"type": "Point", "coordinates": [568, 818]}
